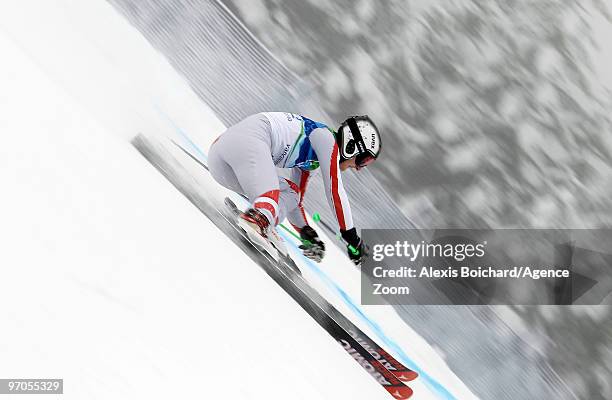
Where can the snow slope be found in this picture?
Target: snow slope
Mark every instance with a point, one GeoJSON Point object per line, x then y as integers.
{"type": "Point", "coordinates": [110, 278]}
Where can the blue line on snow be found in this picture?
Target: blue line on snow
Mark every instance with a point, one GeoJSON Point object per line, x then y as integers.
{"type": "Point", "coordinates": [182, 133]}
{"type": "Point", "coordinates": [429, 381]}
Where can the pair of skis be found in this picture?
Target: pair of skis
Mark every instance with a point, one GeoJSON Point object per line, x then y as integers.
{"type": "Point", "coordinates": [391, 374]}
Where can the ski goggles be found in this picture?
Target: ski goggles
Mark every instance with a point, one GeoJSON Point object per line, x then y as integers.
{"type": "Point", "coordinates": [363, 160]}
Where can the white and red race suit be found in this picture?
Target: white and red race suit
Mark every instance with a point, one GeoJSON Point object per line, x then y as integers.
{"type": "Point", "coordinates": [269, 157]}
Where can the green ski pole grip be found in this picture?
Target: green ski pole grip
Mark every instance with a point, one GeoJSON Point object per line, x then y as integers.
{"type": "Point", "coordinates": [304, 242]}
{"type": "Point", "coordinates": [351, 248]}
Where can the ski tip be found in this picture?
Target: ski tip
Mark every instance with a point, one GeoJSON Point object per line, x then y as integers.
{"type": "Point", "coordinates": [400, 392]}
{"type": "Point", "coordinates": [230, 203]}
{"type": "Point", "coordinates": [316, 217]}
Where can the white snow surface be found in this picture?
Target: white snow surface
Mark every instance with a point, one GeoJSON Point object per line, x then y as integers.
{"type": "Point", "coordinates": [111, 279]}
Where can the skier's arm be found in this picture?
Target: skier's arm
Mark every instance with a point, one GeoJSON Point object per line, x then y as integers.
{"type": "Point", "coordinates": [312, 246]}
{"type": "Point", "coordinates": [324, 144]}
{"type": "Point", "coordinates": [297, 217]}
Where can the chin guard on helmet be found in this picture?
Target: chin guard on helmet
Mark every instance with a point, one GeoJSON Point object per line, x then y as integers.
{"type": "Point", "coordinates": [358, 137]}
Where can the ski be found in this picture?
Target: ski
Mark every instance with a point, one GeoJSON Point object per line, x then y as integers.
{"type": "Point", "coordinates": [377, 362]}
{"type": "Point", "coordinates": [370, 356]}
{"type": "Point", "coordinates": [402, 372]}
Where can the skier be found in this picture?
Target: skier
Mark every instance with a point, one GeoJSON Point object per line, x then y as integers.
{"type": "Point", "coordinates": [269, 157]}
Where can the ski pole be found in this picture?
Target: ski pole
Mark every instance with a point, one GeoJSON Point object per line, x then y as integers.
{"type": "Point", "coordinates": [317, 218]}
{"type": "Point", "coordinates": [304, 241]}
